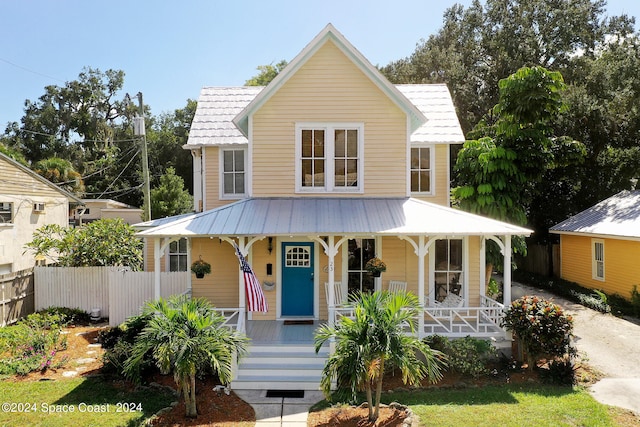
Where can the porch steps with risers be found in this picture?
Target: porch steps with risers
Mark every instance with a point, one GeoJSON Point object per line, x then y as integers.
{"type": "Point", "coordinates": [281, 367]}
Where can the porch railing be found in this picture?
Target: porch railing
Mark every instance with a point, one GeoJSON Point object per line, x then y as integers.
{"type": "Point", "coordinates": [480, 322]}
{"type": "Point", "coordinates": [234, 318]}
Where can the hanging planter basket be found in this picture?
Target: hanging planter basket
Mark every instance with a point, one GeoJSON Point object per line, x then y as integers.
{"type": "Point", "coordinates": [376, 267]}
{"type": "Point", "coordinates": [200, 268]}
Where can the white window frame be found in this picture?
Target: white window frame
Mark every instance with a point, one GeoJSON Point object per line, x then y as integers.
{"type": "Point", "coordinates": [178, 253]}
{"type": "Point", "coordinates": [432, 163]}
{"type": "Point", "coordinates": [595, 262]}
{"type": "Point", "coordinates": [234, 196]}
{"type": "Point", "coordinates": [329, 156]}
{"type": "Point", "coordinates": [7, 207]}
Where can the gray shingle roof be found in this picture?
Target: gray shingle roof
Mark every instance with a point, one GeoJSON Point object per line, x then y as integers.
{"type": "Point", "coordinates": [217, 106]}
{"type": "Point", "coordinates": [619, 215]}
{"type": "Point", "coordinates": [303, 216]}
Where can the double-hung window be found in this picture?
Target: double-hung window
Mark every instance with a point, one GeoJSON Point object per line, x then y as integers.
{"type": "Point", "coordinates": [359, 252]}
{"type": "Point", "coordinates": [597, 259]}
{"type": "Point", "coordinates": [421, 170]}
{"type": "Point", "coordinates": [448, 268]}
{"type": "Point", "coordinates": [233, 173]}
{"type": "Point", "coordinates": [329, 157]}
{"type": "Point", "coordinates": [6, 212]}
{"type": "Point", "coordinates": [178, 255]}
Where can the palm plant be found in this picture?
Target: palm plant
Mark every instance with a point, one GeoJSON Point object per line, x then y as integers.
{"type": "Point", "coordinates": [373, 340]}
{"type": "Point", "coordinates": [185, 336]}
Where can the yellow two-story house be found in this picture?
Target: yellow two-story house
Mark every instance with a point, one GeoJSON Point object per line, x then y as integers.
{"type": "Point", "coordinates": [328, 166]}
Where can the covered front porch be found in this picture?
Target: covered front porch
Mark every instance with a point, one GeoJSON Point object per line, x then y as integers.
{"type": "Point", "coordinates": [302, 248]}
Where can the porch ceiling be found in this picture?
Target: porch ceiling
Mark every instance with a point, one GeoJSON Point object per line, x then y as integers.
{"type": "Point", "coordinates": [321, 216]}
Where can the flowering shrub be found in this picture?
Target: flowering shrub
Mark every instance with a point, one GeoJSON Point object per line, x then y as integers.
{"type": "Point", "coordinates": [542, 327]}
{"type": "Point", "coordinates": [375, 265]}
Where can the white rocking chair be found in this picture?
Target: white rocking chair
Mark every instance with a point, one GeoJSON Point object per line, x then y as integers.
{"type": "Point", "coordinates": [397, 286]}
{"type": "Point", "coordinates": [338, 295]}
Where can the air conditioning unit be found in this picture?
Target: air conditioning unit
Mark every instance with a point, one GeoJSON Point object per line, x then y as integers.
{"type": "Point", "coordinates": [38, 207]}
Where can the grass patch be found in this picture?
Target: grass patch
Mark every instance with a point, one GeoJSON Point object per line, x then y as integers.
{"type": "Point", "coordinates": [510, 405]}
{"type": "Point", "coordinates": [111, 405]}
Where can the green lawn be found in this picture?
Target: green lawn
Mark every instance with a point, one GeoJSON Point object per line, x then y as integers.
{"type": "Point", "coordinates": [511, 405]}
{"type": "Point", "coordinates": [93, 402]}
{"type": "Point", "coordinates": [508, 405]}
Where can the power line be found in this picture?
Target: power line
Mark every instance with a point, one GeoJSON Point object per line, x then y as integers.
{"type": "Point", "coordinates": [31, 71]}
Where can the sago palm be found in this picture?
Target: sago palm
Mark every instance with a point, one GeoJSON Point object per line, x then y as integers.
{"type": "Point", "coordinates": [380, 335]}
{"type": "Point", "coordinates": [185, 336]}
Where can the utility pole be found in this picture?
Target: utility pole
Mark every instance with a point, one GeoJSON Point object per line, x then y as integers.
{"type": "Point", "coordinates": [139, 130]}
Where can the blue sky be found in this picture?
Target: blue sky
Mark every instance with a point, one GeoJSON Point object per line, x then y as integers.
{"type": "Point", "coordinates": [170, 49]}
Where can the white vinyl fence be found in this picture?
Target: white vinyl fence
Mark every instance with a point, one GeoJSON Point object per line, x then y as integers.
{"type": "Point", "coordinates": [116, 291]}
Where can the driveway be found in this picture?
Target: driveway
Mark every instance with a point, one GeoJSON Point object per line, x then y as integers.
{"type": "Point", "coordinates": [608, 343]}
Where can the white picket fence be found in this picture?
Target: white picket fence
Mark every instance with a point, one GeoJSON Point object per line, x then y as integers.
{"type": "Point", "coordinates": [118, 292]}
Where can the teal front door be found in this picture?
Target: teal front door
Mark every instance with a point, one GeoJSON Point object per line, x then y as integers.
{"type": "Point", "coordinates": [297, 279]}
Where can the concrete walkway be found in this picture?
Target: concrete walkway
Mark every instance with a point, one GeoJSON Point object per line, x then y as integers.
{"type": "Point", "coordinates": [279, 411]}
{"type": "Point", "coordinates": [609, 344]}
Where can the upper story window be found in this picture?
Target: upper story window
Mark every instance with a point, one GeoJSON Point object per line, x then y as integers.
{"type": "Point", "coordinates": [421, 170]}
{"type": "Point", "coordinates": [597, 261]}
{"type": "Point", "coordinates": [233, 173]}
{"type": "Point", "coordinates": [329, 157]}
{"type": "Point", "coordinates": [178, 255]}
{"type": "Point", "coordinates": [6, 212]}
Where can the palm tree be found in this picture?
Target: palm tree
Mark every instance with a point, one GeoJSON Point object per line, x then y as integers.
{"type": "Point", "coordinates": [373, 340]}
{"type": "Point", "coordinates": [184, 336]}
{"type": "Point", "coordinates": [60, 172]}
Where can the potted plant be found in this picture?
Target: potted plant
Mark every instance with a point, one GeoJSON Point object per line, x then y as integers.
{"type": "Point", "coordinates": [200, 268]}
{"type": "Point", "coordinates": [375, 266]}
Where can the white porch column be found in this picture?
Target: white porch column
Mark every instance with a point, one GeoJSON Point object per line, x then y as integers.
{"type": "Point", "coordinates": [483, 267]}
{"type": "Point", "coordinates": [331, 254]}
{"type": "Point", "coordinates": [241, 291]}
{"type": "Point", "coordinates": [422, 251]}
{"type": "Point", "coordinates": [506, 291]}
{"type": "Point", "coordinates": [156, 268]}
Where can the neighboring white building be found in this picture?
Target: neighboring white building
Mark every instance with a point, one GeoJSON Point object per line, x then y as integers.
{"type": "Point", "coordinates": [94, 209]}
{"type": "Point", "coordinates": [27, 202]}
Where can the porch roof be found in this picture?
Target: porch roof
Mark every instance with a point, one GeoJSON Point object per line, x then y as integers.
{"type": "Point", "coordinates": [303, 216]}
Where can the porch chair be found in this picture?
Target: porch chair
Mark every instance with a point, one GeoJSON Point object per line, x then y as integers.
{"type": "Point", "coordinates": [338, 295]}
{"type": "Point", "coordinates": [397, 286]}
{"type": "Point", "coordinates": [450, 301]}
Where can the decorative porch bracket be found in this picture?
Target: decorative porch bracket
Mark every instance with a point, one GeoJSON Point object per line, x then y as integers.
{"type": "Point", "coordinates": [505, 250]}
{"type": "Point", "coordinates": [331, 250]}
{"type": "Point", "coordinates": [244, 247]}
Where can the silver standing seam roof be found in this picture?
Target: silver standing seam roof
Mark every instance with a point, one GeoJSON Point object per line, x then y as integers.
{"type": "Point", "coordinates": [217, 106]}
{"type": "Point", "coordinates": [619, 215]}
{"type": "Point", "coordinates": [304, 216]}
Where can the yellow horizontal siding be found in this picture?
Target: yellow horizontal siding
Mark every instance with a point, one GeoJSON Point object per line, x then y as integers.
{"type": "Point", "coordinates": [621, 269]}
{"type": "Point", "coordinates": [221, 286]}
{"type": "Point", "coordinates": [18, 182]}
{"type": "Point", "coordinates": [473, 278]}
{"type": "Point", "coordinates": [329, 88]}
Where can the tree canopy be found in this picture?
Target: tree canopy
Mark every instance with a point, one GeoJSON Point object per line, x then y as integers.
{"type": "Point", "coordinates": [266, 74]}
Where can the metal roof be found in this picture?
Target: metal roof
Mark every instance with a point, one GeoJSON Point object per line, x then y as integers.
{"type": "Point", "coordinates": [619, 215]}
{"type": "Point", "coordinates": [217, 106]}
{"type": "Point", "coordinates": [304, 216]}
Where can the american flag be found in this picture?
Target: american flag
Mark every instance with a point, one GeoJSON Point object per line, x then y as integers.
{"type": "Point", "coordinates": [255, 297]}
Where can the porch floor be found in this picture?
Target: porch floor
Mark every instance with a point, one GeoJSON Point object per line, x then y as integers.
{"type": "Point", "coordinates": [264, 332]}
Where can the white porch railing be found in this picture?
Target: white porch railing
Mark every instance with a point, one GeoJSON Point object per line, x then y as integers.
{"type": "Point", "coordinates": [479, 322]}
{"type": "Point", "coordinates": [234, 318]}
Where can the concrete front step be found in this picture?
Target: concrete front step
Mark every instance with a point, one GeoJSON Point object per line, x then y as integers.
{"type": "Point", "coordinates": [281, 367]}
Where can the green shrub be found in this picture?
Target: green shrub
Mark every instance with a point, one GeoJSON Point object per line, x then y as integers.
{"type": "Point", "coordinates": [32, 344]}
{"type": "Point", "coordinates": [596, 301]}
{"type": "Point", "coordinates": [635, 300]}
{"type": "Point", "coordinates": [118, 343]}
{"type": "Point", "coordinates": [69, 316]}
{"type": "Point", "coordinates": [467, 356]}
{"type": "Point", "coordinates": [542, 327]}
{"type": "Point", "coordinates": [561, 371]}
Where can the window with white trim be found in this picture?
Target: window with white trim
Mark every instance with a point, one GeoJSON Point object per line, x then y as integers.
{"type": "Point", "coordinates": [597, 261]}
{"type": "Point", "coordinates": [329, 157]}
{"type": "Point", "coordinates": [448, 268]}
{"type": "Point", "coordinates": [233, 171]}
{"type": "Point", "coordinates": [6, 212]}
{"type": "Point", "coordinates": [178, 255]}
{"type": "Point", "coordinates": [359, 252]}
{"type": "Point", "coordinates": [421, 170]}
